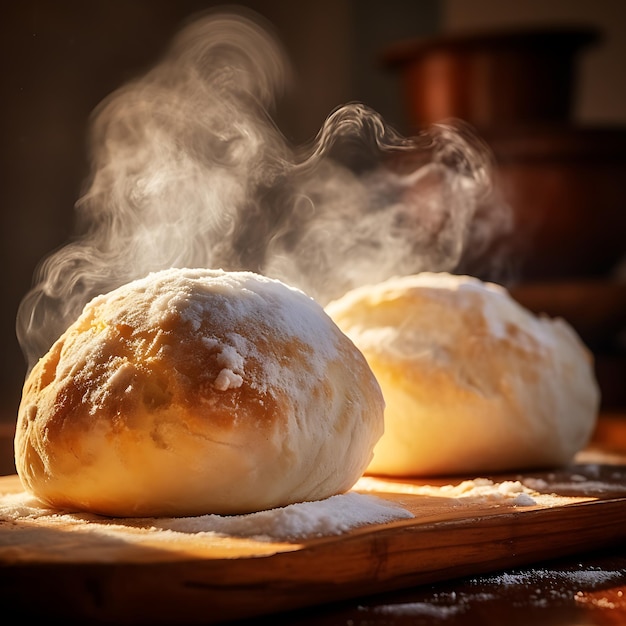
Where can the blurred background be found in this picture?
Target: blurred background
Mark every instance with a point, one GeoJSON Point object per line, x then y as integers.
{"type": "Point", "coordinates": [543, 82]}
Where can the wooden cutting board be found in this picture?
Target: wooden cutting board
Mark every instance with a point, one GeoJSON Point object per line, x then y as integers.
{"type": "Point", "coordinates": [136, 576]}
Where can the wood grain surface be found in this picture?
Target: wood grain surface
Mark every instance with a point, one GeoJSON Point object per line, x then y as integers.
{"type": "Point", "coordinates": [135, 576]}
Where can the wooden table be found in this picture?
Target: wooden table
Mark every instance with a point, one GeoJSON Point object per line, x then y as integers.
{"type": "Point", "coordinates": [587, 587]}
{"type": "Point", "coordinates": [586, 590]}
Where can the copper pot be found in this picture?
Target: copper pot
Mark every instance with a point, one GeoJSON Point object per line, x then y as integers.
{"type": "Point", "coordinates": [566, 187]}
{"type": "Point", "coordinates": [491, 79]}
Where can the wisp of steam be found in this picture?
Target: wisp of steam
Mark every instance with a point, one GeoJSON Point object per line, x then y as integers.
{"type": "Point", "coordinates": [190, 170]}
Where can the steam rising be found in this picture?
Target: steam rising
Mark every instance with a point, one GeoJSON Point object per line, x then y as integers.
{"type": "Point", "coordinates": [189, 170]}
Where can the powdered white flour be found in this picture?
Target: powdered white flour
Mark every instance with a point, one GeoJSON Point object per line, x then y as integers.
{"type": "Point", "coordinates": [333, 516]}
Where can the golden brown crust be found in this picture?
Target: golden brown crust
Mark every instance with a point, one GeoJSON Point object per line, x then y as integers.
{"type": "Point", "coordinates": [472, 381]}
{"type": "Point", "coordinates": [195, 392]}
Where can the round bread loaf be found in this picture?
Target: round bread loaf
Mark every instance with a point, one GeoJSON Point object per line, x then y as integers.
{"type": "Point", "coordinates": [473, 382]}
{"type": "Point", "coordinates": [197, 391]}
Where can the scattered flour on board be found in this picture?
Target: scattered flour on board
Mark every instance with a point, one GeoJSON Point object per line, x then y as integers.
{"type": "Point", "coordinates": [587, 479]}
{"type": "Point", "coordinates": [332, 516]}
{"type": "Point", "coordinates": [510, 491]}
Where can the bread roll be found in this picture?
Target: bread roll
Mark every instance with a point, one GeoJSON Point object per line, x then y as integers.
{"type": "Point", "coordinates": [196, 391]}
{"type": "Point", "coordinates": [473, 382]}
